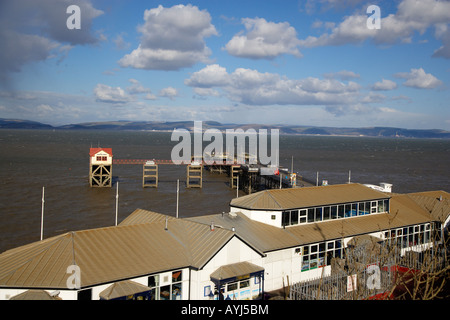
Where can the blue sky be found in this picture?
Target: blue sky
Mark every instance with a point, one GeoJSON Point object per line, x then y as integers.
{"type": "Point", "coordinates": [271, 62]}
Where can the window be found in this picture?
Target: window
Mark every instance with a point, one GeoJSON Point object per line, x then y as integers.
{"type": "Point", "coordinates": [333, 212]}
{"type": "Point", "coordinates": [318, 214]}
{"type": "Point", "coordinates": [320, 255]}
{"type": "Point", "coordinates": [386, 205]}
{"type": "Point", "coordinates": [176, 276]}
{"type": "Point", "coordinates": [244, 284]}
{"type": "Point", "coordinates": [367, 210]}
{"type": "Point", "coordinates": [326, 213]}
{"type": "Point", "coordinates": [99, 158]}
{"type": "Point", "coordinates": [311, 215]}
{"type": "Point", "coordinates": [85, 294]}
{"type": "Point", "coordinates": [176, 291]}
{"type": "Point", "coordinates": [164, 293]}
{"type": "Point", "coordinates": [303, 214]}
{"type": "Point", "coordinates": [285, 218]}
{"type": "Point", "coordinates": [373, 207]}
{"type": "Point", "coordinates": [232, 286]}
{"type": "Point", "coordinates": [341, 211]}
{"type": "Point", "coordinates": [348, 210]}
{"type": "Point", "coordinates": [354, 209]}
{"type": "Point", "coordinates": [104, 158]}
{"type": "Point", "coordinates": [294, 217]}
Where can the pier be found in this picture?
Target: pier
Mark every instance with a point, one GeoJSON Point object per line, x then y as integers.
{"type": "Point", "coordinates": [247, 177]}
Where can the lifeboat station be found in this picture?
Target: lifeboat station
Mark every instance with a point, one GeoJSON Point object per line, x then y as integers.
{"type": "Point", "coordinates": [266, 240]}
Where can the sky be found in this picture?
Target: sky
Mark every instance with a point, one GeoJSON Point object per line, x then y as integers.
{"type": "Point", "coordinates": [312, 63]}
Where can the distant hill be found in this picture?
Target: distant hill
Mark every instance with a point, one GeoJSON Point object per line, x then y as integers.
{"type": "Point", "coordinates": [188, 125]}
{"type": "Point", "coordinates": [22, 124]}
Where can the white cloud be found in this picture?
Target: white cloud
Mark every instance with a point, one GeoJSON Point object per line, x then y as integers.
{"type": "Point", "coordinates": [384, 85]}
{"type": "Point", "coordinates": [137, 87]}
{"type": "Point", "coordinates": [264, 40]}
{"type": "Point", "coordinates": [32, 31]}
{"type": "Point", "coordinates": [105, 93]}
{"type": "Point", "coordinates": [411, 16]}
{"type": "Point", "coordinates": [168, 92]}
{"type": "Point", "coordinates": [418, 78]}
{"type": "Point", "coordinates": [252, 87]}
{"type": "Point", "coordinates": [172, 38]}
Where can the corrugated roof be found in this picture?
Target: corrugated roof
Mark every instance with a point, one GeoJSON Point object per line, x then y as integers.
{"type": "Point", "coordinates": [404, 211]}
{"type": "Point", "coordinates": [111, 253]}
{"type": "Point", "coordinates": [140, 216]}
{"type": "Point", "coordinates": [281, 199]}
{"type": "Point", "coordinates": [432, 203]}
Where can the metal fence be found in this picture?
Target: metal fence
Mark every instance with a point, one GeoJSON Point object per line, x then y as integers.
{"type": "Point", "coordinates": [363, 274]}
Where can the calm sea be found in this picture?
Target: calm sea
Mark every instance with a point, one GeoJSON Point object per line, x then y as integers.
{"type": "Point", "coordinates": [59, 160]}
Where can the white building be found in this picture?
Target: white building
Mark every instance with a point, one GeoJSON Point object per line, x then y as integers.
{"type": "Point", "coordinates": [266, 238]}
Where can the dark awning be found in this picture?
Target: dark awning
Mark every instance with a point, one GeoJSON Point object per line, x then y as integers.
{"type": "Point", "coordinates": [236, 271]}
{"type": "Point", "coordinates": [123, 289]}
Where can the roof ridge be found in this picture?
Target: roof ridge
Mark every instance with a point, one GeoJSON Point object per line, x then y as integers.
{"type": "Point", "coordinates": [273, 198]}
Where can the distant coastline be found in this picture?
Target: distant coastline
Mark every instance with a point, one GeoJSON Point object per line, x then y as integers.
{"type": "Point", "coordinates": [168, 126]}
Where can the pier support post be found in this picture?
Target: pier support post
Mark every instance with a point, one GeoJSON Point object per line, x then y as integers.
{"type": "Point", "coordinates": [235, 171]}
{"type": "Point", "coordinates": [194, 175]}
{"type": "Point", "coordinates": [150, 175]}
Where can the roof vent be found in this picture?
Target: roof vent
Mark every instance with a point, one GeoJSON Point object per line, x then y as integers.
{"type": "Point", "coordinates": [212, 226]}
{"type": "Point", "coordinates": [165, 227]}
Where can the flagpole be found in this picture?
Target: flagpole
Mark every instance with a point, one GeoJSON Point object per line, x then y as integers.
{"type": "Point", "coordinates": [117, 200]}
{"type": "Point", "coordinates": [42, 213]}
{"type": "Point", "coordinates": [178, 195]}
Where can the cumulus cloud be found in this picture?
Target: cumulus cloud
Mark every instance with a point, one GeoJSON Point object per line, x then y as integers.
{"type": "Point", "coordinates": [32, 31]}
{"type": "Point", "coordinates": [418, 78]}
{"type": "Point", "coordinates": [168, 92]}
{"type": "Point", "coordinates": [105, 93]}
{"type": "Point", "coordinates": [412, 16]}
{"type": "Point", "coordinates": [252, 87]}
{"type": "Point", "coordinates": [264, 40]}
{"type": "Point", "coordinates": [172, 38]}
{"type": "Point", "coordinates": [384, 85]}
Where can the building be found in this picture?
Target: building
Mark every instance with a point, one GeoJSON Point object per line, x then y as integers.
{"type": "Point", "coordinates": [267, 239]}
{"type": "Point", "coordinates": [100, 167]}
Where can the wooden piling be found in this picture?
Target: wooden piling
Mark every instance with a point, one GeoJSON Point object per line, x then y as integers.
{"type": "Point", "coordinates": [194, 175]}
{"type": "Point", "coordinates": [150, 175]}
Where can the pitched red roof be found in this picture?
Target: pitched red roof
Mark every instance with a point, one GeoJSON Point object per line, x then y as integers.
{"type": "Point", "coordinates": [94, 151]}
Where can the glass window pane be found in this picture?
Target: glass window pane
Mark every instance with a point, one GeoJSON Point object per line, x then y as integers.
{"type": "Point", "coordinates": [244, 284]}
{"type": "Point", "coordinates": [285, 218]}
{"type": "Point", "coordinates": [326, 213]}
{"type": "Point", "coordinates": [367, 209]}
{"type": "Point", "coordinates": [386, 205]}
{"type": "Point", "coordinates": [294, 217]}
{"type": "Point", "coordinates": [333, 212]}
{"type": "Point", "coordinates": [341, 211]}
{"type": "Point", "coordinates": [164, 293]}
{"type": "Point", "coordinates": [319, 214]}
{"type": "Point", "coordinates": [311, 215]}
{"type": "Point", "coordinates": [354, 209]}
{"type": "Point", "coordinates": [176, 276]}
{"type": "Point", "coordinates": [348, 209]}
{"type": "Point", "coordinates": [176, 291]}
